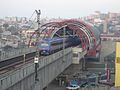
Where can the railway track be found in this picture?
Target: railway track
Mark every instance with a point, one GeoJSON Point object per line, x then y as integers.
{"type": "Point", "coordinates": [12, 63]}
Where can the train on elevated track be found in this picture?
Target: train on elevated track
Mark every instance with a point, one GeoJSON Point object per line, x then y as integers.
{"type": "Point", "coordinates": [51, 45]}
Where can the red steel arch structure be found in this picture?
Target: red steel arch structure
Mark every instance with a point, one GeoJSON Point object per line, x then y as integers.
{"type": "Point", "coordinates": [89, 37]}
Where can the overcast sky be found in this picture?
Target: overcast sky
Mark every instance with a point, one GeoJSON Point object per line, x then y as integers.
{"type": "Point", "coordinates": [57, 8]}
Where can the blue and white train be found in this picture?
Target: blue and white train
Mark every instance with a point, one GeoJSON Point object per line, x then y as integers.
{"type": "Point", "coordinates": [48, 46]}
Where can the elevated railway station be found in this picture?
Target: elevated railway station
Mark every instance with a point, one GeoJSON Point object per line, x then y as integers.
{"type": "Point", "coordinates": [22, 75]}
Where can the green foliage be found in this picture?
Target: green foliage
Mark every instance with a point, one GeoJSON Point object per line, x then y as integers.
{"type": "Point", "coordinates": [5, 26]}
{"type": "Point", "coordinates": [100, 28]}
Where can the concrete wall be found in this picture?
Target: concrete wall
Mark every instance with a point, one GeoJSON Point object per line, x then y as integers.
{"type": "Point", "coordinates": [108, 47]}
{"type": "Point", "coordinates": [79, 54]}
{"type": "Point", "coordinates": [16, 52]}
{"type": "Point", "coordinates": [49, 68]}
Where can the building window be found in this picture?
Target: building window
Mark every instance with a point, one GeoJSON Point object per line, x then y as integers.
{"type": "Point", "coordinates": [75, 55]}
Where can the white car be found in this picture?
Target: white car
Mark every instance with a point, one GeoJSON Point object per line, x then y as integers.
{"type": "Point", "coordinates": [73, 87]}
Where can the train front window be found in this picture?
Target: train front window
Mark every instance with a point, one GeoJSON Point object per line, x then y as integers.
{"type": "Point", "coordinates": [44, 45]}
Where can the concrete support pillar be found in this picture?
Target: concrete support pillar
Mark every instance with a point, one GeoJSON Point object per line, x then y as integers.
{"type": "Point", "coordinates": [83, 64]}
{"type": "Point", "coordinates": [60, 81]}
{"type": "Point", "coordinates": [99, 77]}
{"type": "Point", "coordinates": [44, 88]}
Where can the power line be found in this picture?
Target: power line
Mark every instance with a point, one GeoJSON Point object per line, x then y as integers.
{"type": "Point", "coordinates": [31, 15]}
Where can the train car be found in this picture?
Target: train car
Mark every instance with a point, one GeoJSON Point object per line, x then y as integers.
{"type": "Point", "coordinates": [51, 45]}
{"type": "Point", "coordinates": [48, 46]}
{"type": "Point", "coordinates": [74, 41]}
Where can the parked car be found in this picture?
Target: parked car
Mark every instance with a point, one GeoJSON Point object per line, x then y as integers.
{"type": "Point", "coordinates": [73, 87]}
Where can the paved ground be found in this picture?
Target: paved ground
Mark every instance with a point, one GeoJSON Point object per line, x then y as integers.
{"type": "Point", "coordinates": [55, 87]}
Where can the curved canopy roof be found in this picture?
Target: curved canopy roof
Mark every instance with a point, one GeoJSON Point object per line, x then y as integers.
{"type": "Point", "coordinates": [87, 34]}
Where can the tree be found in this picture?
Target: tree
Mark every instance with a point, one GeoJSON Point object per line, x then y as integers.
{"type": "Point", "coordinates": [5, 26]}
{"type": "Point", "coordinates": [1, 31]}
{"type": "Point", "coordinates": [12, 29]}
{"type": "Point", "coordinates": [100, 28]}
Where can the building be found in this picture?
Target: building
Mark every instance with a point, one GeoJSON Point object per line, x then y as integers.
{"type": "Point", "coordinates": [11, 19]}
{"type": "Point", "coordinates": [9, 40]}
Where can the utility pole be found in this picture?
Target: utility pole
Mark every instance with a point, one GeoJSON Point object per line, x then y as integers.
{"type": "Point", "coordinates": [36, 59]}
{"type": "Point", "coordinates": [38, 32]}
{"type": "Point", "coordinates": [64, 34]}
